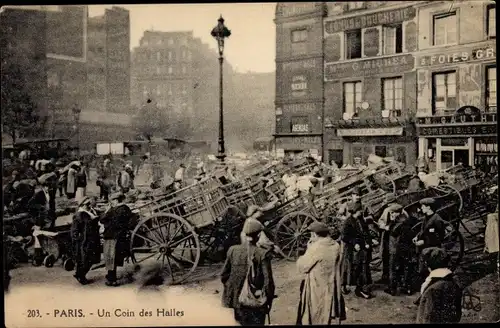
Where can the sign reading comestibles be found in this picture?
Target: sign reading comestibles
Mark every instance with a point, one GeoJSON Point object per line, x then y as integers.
{"type": "Point", "coordinates": [458, 125]}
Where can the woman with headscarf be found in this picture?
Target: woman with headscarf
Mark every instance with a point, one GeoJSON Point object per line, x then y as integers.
{"type": "Point", "coordinates": [85, 239]}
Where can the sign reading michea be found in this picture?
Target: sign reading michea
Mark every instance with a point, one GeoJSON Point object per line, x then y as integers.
{"type": "Point", "coordinates": [395, 64]}
{"type": "Point", "coordinates": [370, 20]}
{"type": "Point", "coordinates": [458, 57]}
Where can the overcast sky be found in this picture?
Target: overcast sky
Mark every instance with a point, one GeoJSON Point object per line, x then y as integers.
{"type": "Point", "coordinates": [251, 46]}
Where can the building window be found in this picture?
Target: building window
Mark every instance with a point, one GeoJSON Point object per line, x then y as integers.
{"type": "Point", "coordinates": [352, 97]}
{"type": "Point", "coordinates": [158, 56]}
{"type": "Point", "coordinates": [170, 70]}
{"type": "Point", "coordinates": [355, 5]}
{"type": "Point", "coordinates": [170, 41]}
{"type": "Point", "coordinates": [353, 44]}
{"type": "Point", "coordinates": [491, 89]}
{"type": "Point", "coordinates": [158, 70]}
{"type": "Point", "coordinates": [169, 90]}
{"type": "Point", "coordinates": [189, 55]}
{"type": "Point", "coordinates": [184, 69]}
{"type": "Point", "coordinates": [393, 39]}
{"type": "Point", "coordinates": [300, 124]}
{"type": "Point", "coordinates": [184, 89]}
{"type": "Point", "coordinates": [145, 90]}
{"type": "Point", "coordinates": [170, 55]}
{"type": "Point", "coordinates": [299, 35]}
{"type": "Point", "coordinates": [491, 21]}
{"type": "Point", "coordinates": [444, 93]}
{"type": "Point", "coordinates": [393, 96]}
{"type": "Point", "coordinates": [445, 29]}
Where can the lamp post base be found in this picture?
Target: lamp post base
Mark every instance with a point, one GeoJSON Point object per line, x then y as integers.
{"type": "Point", "coordinates": [221, 163]}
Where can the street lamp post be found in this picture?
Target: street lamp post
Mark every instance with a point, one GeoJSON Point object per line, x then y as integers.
{"type": "Point", "coordinates": [76, 112]}
{"type": "Point", "coordinates": [220, 32]}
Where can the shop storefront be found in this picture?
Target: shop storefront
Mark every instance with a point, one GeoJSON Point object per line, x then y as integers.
{"type": "Point", "coordinates": [469, 137]}
{"type": "Point", "coordinates": [294, 145]}
{"type": "Point", "coordinates": [395, 139]}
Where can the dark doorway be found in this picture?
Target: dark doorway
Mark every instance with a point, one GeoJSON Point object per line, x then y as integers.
{"type": "Point", "coordinates": [462, 156]}
{"type": "Point", "coordinates": [336, 155]}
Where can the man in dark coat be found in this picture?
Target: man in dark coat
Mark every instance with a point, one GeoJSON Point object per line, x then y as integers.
{"type": "Point", "coordinates": [403, 255]}
{"type": "Point", "coordinates": [441, 297]}
{"type": "Point", "coordinates": [42, 205]}
{"type": "Point", "coordinates": [235, 272]}
{"type": "Point", "coordinates": [432, 231]}
{"type": "Point", "coordinates": [358, 245]}
{"type": "Point", "coordinates": [9, 192]}
{"type": "Point", "coordinates": [85, 239]}
{"type": "Point", "coordinates": [117, 224]}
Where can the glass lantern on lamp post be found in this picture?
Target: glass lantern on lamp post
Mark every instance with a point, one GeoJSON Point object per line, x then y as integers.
{"type": "Point", "coordinates": [220, 32]}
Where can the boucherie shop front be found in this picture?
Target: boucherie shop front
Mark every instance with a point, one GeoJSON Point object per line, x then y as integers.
{"type": "Point", "coordinates": [468, 137]}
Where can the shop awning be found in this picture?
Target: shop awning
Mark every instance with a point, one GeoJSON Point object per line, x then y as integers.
{"type": "Point", "coordinates": [370, 132]}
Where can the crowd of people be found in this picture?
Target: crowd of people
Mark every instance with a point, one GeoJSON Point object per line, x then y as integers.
{"type": "Point", "coordinates": [335, 260]}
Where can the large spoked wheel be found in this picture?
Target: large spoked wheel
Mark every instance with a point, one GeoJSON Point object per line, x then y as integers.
{"type": "Point", "coordinates": [169, 239]}
{"type": "Point", "coordinates": [386, 183]}
{"type": "Point", "coordinates": [224, 233]}
{"type": "Point", "coordinates": [291, 234]}
{"type": "Point", "coordinates": [446, 188]}
{"type": "Point", "coordinates": [453, 243]}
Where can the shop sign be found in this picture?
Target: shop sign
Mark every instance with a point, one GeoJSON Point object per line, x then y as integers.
{"type": "Point", "coordinates": [298, 141]}
{"type": "Point", "coordinates": [363, 21]}
{"type": "Point", "coordinates": [373, 132]}
{"type": "Point", "coordinates": [287, 9]}
{"type": "Point", "coordinates": [299, 85]}
{"type": "Point", "coordinates": [458, 56]}
{"type": "Point", "coordinates": [468, 130]}
{"type": "Point", "coordinates": [370, 67]}
{"type": "Point", "coordinates": [488, 118]}
{"type": "Point", "coordinates": [301, 108]}
{"type": "Point", "coordinates": [299, 64]}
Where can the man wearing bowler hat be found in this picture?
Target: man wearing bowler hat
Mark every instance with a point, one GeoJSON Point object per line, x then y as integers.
{"type": "Point", "coordinates": [432, 231]}
{"type": "Point", "coordinates": [320, 296]}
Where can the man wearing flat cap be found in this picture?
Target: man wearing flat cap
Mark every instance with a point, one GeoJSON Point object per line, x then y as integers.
{"type": "Point", "coordinates": [320, 297]}
{"type": "Point", "coordinates": [432, 231]}
{"type": "Point", "coordinates": [117, 221]}
{"type": "Point", "coordinates": [236, 270]}
{"type": "Point", "coordinates": [358, 252]}
{"type": "Point", "coordinates": [440, 298]}
{"type": "Point", "coordinates": [85, 239]}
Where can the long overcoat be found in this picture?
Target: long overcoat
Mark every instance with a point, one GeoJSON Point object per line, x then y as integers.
{"type": "Point", "coordinates": [356, 231]}
{"type": "Point", "coordinates": [320, 298]}
{"type": "Point", "coordinates": [85, 238]}
{"type": "Point", "coordinates": [117, 222]}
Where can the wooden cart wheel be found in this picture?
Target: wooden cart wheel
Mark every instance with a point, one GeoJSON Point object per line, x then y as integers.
{"type": "Point", "coordinates": [170, 239]}
{"type": "Point", "coordinates": [49, 261]}
{"type": "Point", "coordinates": [453, 243]}
{"type": "Point", "coordinates": [291, 234]}
{"type": "Point", "coordinates": [450, 189]}
{"type": "Point", "coordinates": [386, 183]}
{"type": "Point", "coordinates": [50, 246]}
{"type": "Point", "coordinates": [68, 265]}
{"type": "Point", "coordinates": [224, 233]}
